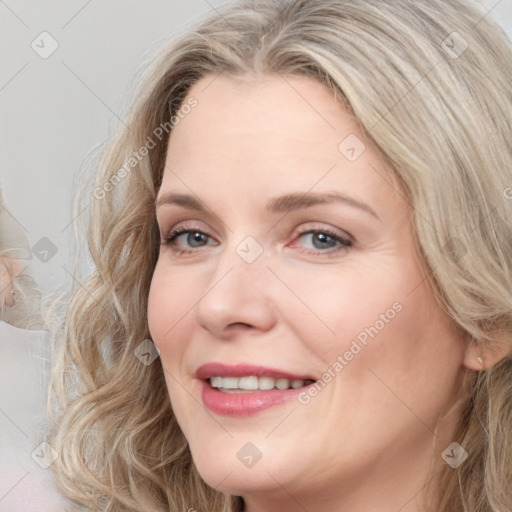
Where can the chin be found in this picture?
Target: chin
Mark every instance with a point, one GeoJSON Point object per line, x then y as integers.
{"type": "Point", "coordinates": [226, 473]}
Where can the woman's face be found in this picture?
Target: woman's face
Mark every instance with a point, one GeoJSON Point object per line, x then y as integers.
{"type": "Point", "coordinates": [296, 261]}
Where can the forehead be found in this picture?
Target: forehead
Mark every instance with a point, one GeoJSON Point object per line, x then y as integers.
{"type": "Point", "coordinates": [279, 111]}
{"type": "Point", "coordinates": [269, 135]}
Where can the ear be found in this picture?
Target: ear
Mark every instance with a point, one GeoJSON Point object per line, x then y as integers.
{"type": "Point", "coordinates": [482, 355]}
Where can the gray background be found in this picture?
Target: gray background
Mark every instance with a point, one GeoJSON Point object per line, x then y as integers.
{"type": "Point", "coordinates": [57, 111]}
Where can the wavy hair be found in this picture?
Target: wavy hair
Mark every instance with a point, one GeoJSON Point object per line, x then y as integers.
{"type": "Point", "coordinates": [429, 83]}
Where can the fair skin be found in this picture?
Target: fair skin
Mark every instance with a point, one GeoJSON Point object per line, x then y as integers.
{"type": "Point", "coordinates": [366, 441]}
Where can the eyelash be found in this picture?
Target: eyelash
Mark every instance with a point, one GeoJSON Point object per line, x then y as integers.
{"type": "Point", "coordinates": [345, 243]}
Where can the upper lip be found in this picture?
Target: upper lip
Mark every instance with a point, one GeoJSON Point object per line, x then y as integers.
{"type": "Point", "coordinates": [208, 370]}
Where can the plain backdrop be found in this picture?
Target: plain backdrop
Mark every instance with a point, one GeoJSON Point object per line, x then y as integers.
{"type": "Point", "coordinates": [56, 111]}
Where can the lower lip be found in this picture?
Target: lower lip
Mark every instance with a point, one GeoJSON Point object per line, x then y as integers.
{"type": "Point", "coordinates": [245, 404]}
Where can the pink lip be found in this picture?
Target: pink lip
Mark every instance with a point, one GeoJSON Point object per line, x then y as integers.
{"type": "Point", "coordinates": [244, 404]}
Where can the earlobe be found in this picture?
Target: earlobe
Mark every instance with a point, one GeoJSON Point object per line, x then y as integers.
{"type": "Point", "coordinates": [482, 355]}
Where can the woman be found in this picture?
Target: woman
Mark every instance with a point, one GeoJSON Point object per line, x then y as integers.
{"type": "Point", "coordinates": [310, 203]}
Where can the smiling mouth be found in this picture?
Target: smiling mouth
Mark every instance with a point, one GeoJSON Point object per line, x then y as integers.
{"type": "Point", "coordinates": [253, 383]}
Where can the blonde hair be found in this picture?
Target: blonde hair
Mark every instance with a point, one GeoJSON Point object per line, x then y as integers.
{"type": "Point", "coordinates": [429, 82]}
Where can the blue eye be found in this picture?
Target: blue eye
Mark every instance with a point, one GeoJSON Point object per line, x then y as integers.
{"type": "Point", "coordinates": [194, 237]}
{"type": "Point", "coordinates": [324, 239]}
{"type": "Point", "coordinates": [187, 240]}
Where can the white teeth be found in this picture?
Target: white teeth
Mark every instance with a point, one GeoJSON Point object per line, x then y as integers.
{"type": "Point", "coordinates": [253, 383]}
{"type": "Point", "coordinates": [282, 383]}
{"type": "Point", "coordinates": [248, 383]}
{"type": "Point", "coordinates": [266, 383]}
{"type": "Point", "coordinates": [216, 382]}
{"type": "Point", "coordinates": [230, 382]}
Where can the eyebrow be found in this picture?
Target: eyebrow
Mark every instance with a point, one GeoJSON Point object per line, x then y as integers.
{"type": "Point", "coordinates": [282, 204]}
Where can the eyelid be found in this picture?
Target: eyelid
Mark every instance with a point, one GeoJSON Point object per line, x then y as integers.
{"type": "Point", "coordinates": [308, 227]}
{"type": "Point", "coordinates": [191, 225]}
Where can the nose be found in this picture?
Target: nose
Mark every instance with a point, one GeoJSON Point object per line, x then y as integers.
{"type": "Point", "coordinates": [237, 300]}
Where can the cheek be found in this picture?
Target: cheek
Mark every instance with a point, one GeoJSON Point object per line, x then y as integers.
{"type": "Point", "coordinates": [396, 341]}
{"type": "Point", "coordinates": [382, 317]}
{"type": "Point", "coordinates": [333, 306]}
{"type": "Point", "coordinates": [170, 304]}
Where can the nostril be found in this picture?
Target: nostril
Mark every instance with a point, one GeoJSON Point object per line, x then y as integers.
{"type": "Point", "coordinates": [239, 324]}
